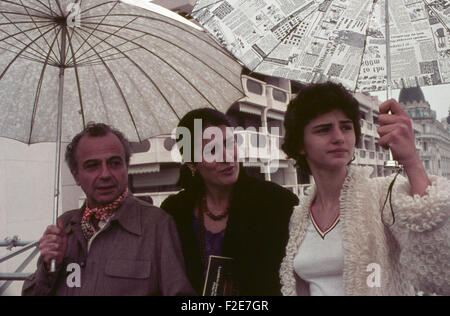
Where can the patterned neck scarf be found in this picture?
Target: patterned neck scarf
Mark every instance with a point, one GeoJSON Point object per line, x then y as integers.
{"type": "Point", "coordinates": [100, 213]}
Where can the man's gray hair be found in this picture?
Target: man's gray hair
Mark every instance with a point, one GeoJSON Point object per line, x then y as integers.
{"type": "Point", "coordinates": [95, 130]}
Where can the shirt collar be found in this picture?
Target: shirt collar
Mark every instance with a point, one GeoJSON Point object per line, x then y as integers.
{"type": "Point", "coordinates": [128, 216]}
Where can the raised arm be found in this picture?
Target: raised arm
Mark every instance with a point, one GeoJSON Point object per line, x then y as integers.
{"type": "Point", "coordinates": [396, 132]}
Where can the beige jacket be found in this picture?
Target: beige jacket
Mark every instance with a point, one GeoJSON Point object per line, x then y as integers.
{"type": "Point", "coordinates": [411, 255]}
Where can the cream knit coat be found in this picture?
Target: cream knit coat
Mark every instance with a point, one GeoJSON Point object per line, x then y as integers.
{"type": "Point", "coordinates": [411, 255]}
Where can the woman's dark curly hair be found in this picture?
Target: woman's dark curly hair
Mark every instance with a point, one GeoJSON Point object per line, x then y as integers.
{"type": "Point", "coordinates": [312, 101]}
{"type": "Point", "coordinates": [209, 117]}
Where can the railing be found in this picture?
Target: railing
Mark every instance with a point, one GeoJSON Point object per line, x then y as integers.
{"type": "Point", "coordinates": [18, 275]}
{"type": "Point", "coordinates": [298, 189]}
{"type": "Point", "coordinates": [256, 146]}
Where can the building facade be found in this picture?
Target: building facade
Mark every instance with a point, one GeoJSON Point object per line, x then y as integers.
{"type": "Point", "coordinates": [433, 137]}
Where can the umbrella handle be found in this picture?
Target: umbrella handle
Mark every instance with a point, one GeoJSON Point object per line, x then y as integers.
{"type": "Point", "coordinates": [391, 162]}
{"type": "Point", "coordinates": [53, 266]}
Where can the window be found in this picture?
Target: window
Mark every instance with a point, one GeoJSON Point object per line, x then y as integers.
{"type": "Point", "coordinates": [362, 115]}
{"type": "Point", "coordinates": [169, 143]}
{"type": "Point", "coordinates": [141, 147]}
{"type": "Point", "coordinates": [279, 95]}
{"type": "Point", "coordinates": [254, 87]}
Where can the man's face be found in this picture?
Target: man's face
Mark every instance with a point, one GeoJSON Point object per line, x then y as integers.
{"type": "Point", "coordinates": [102, 171]}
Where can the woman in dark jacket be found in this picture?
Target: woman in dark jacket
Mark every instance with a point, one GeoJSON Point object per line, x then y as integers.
{"type": "Point", "coordinates": [224, 212]}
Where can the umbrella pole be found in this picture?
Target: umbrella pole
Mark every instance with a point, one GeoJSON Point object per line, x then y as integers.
{"type": "Point", "coordinates": [388, 52]}
{"type": "Point", "coordinates": [391, 162]}
{"type": "Point", "coordinates": [58, 135]}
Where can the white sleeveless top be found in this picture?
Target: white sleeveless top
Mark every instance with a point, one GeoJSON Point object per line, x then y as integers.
{"type": "Point", "coordinates": [320, 262]}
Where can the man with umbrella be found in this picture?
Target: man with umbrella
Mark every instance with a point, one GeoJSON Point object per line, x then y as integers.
{"type": "Point", "coordinates": [115, 244]}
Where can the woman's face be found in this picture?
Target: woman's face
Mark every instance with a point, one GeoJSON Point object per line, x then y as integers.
{"type": "Point", "coordinates": [329, 141]}
{"type": "Point", "coordinates": [219, 165]}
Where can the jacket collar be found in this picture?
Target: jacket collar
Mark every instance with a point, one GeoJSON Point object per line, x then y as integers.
{"type": "Point", "coordinates": [129, 216]}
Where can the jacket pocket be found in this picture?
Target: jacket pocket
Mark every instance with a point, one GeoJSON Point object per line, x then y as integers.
{"type": "Point", "coordinates": [130, 269]}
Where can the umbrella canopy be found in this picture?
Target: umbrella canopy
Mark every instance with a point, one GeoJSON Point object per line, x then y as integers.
{"type": "Point", "coordinates": [134, 69]}
{"type": "Point", "coordinates": [337, 40]}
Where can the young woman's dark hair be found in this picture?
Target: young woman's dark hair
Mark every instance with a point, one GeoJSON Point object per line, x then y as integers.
{"type": "Point", "coordinates": [208, 117]}
{"type": "Point", "coordinates": [313, 101]}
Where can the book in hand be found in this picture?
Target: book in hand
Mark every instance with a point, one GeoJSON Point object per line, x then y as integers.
{"type": "Point", "coordinates": [219, 277]}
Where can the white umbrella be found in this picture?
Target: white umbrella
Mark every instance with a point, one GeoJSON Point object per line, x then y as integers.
{"type": "Point", "coordinates": [338, 40]}
{"type": "Point", "coordinates": [65, 63]}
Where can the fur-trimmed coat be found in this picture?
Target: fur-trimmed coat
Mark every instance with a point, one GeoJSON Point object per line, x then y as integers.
{"type": "Point", "coordinates": [411, 255]}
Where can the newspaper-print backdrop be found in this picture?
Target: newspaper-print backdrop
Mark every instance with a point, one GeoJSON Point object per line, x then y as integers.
{"type": "Point", "coordinates": [338, 40]}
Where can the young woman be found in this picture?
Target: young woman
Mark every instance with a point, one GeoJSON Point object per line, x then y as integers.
{"type": "Point", "coordinates": [223, 212]}
{"type": "Point", "coordinates": [341, 241]}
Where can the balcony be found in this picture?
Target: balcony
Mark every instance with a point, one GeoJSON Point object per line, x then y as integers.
{"type": "Point", "coordinates": [366, 157]}
{"type": "Point", "coordinates": [278, 98]}
{"type": "Point", "coordinates": [368, 128]}
{"type": "Point", "coordinates": [261, 93]}
{"type": "Point", "coordinates": [255, 146]}
{"type": "Point", "coordinates": [161, 149]}
{"type": "Point", "coordinates": [255, 91]}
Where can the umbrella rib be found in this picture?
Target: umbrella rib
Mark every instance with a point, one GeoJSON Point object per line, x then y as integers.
{"type": "Point", "coordinates": [38, 55]}
{"type": "Point", "coordinates": [23, 6]}
{"type": "Point", "coordinates": [87, 61]}
{"type": "Point", "coordinates": [117, 86]}
{"type": "Point", "coordinates": [24, 33]}
{"type": "Point", "coordinates": [34, 22]}
{"type": "Point", "coordinates": [108, 49]}
{"type": "Point", "coordinates": [106, 38]}
{"type": "Point", "coordinates": [98, 24]}
{"type": "Point", "coordinates": [174, 69]}
{"type": "Point", "coordinates": [48, 18]}
{"type": "Point", "coordinates": [38, 91]}
{"type": "Point", "coordinates": [365, 43]}
{"type": "Point", "coordinates": [70, 37]}
{"type": "Point", "coordinates": [78, 83]}
{"type": "Point", "coordinates": [28, 56]}
{"type": "Point", "coordinates": [150, 110]}
{"type": "Point", "coordinates": [14, 37]}
{"type": "Point", "coordinates": [47, 7]}
{"type": "Point", "coordinates": [176, 45]}
{"type": "Point", "coordinates": [101, 4]}
{"type": "Point", "coordinates": [206, 6]}
{"type": "Point", "coordinates": [149, 78]}
{"type": "Point", "coordinates": [60, 8]}
{"type": "Point", "coordinates": [436, 15]}
{"type": "Point", "coordinates": [19, 54]}
{"type": "Point", "coordinates": [282, 40]}
{"type": "Point", "coordinates": [165, 21]}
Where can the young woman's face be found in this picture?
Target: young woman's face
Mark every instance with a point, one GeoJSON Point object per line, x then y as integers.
{"type": "Point", "coordinates": [329, 141]}
{"type": "Point", "coordinates": [219, 166]}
